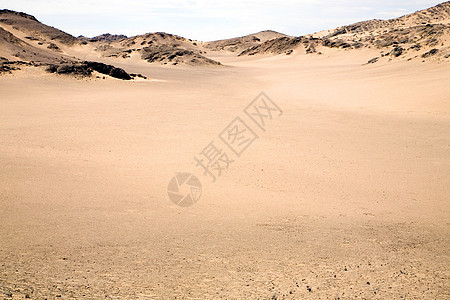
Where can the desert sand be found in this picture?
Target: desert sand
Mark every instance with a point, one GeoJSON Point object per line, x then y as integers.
{"type": "Point", "coordinates": [344, 196]}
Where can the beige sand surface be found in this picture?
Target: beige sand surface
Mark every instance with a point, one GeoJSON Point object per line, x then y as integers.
{"type": "Point", "coordinates": [345, 196]}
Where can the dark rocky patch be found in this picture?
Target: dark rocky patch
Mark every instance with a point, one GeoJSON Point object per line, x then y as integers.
{"type": "Point", "coordinates": [138, 75]}
{"type": "Point", "coordinates": [311, 49]}
{"type": "Point", "coordinates": [397, 51]}
{"type": "Point", "coordinates": [7, 67]}
{"type": "Point", "coordinates": [430, 53]}
{"type": "Point", "coordinates": [86, 68]}
{"type": "Point", "coordinates": [108, 70]}
{"type": "Point", "coordinates": [70, 69]}
{"type": "Point", "coordinates": [31, 38]}
{"type": "Point", "coordinates": [54, 47]}
{"type": "Point", "coordinates": [373, 60]}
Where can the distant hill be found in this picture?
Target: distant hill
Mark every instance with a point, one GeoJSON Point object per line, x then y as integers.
{"type": "Point", "coordinates": [439, 14]}
{"type": "Point", "coordinates": [241, 43]}
{"type": "Point", "coordinates": [157, 47]}
{"type": "Point", "coordinates": [424, 35]}
{"type": "Point", "coordinates": [106, 37]}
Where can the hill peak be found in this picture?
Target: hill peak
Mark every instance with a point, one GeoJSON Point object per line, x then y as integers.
{"type": "Point", "coordinates": [20, 14]}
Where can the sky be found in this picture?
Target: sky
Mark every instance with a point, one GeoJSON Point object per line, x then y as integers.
{"type": "Point", "coordinates": [209, 20]}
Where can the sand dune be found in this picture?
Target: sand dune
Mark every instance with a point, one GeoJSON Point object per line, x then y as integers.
{"type": "Point", "coordinates": [343, 196]}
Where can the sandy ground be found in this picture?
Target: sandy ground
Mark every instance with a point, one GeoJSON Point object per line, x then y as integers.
{"type": "Point", "coordinates": [344, 196]}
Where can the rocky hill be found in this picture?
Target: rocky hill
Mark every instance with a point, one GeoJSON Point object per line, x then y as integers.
{"type": "Point", "coordinates": [424, 35]}
{"type": "Point", "coordinates": [26, 42]}
{"type": "Point", "coordinates": [106, 37]}
{"type": "Point", "coordinates": [158, 47]}
{"type": "Point", "coordinates": [240, 44]}
{"type": "Point", "coordinates": [34, 29]}
{"type": "Point", "coordinates": [439, 14]}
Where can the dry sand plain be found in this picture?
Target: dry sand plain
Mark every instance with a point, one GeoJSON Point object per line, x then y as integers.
{"type": "Point", "coordinates": [345, 196]}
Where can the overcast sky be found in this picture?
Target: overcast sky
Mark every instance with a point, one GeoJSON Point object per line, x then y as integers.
{"type": "Point", "coordinates": [209, 20]}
